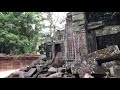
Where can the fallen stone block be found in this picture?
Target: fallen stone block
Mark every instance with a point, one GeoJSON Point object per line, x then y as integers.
{"type": "Point", "coordinates": [55, 75]}
{"type": "Point", "coordinates": [48, 62]}
{"type": "Point", "coordinates": [68, 75]}
{"type": "Point", "coordinates": [13, 76]}
{"type": "Point", "coordinates": [30, 72]}
{"type": "Point", "coordinates": [42, 76]}
{"type": "Point", "coordinates": [115, 71]}
{"type": "Point", "coordinates": [108, 64]}
{"type": "Point", "coordinates": [100, 72]}
{"type": "Point", "coordinates": [103, 54]}
{"type": "Point", "coordinates": [36, 75]}
{"type": "Point", "coordinates": [52, 70]}
{"type": "Point", "coordinates": [17, 74]}
{"type": "Point", "coordinates": [61, 69]}
{"type": "Point", "coordinates": [89, 63]}
{"type": "Point", "coordinates": [110, 58]}
{"type": "Point", "coordinates": [22, 75]}
{"type": "Point", "coordinates": [39, 68]}
{"type": "Point", "coordinates": [88, 76]}
{"type": "Point", "coordinates": [112, 71]}
{"type": "Point", "coordinates": [114, 68]}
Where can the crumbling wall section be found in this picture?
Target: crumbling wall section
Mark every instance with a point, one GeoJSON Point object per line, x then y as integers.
{"type": "Point", "coordinates": [102, 25]}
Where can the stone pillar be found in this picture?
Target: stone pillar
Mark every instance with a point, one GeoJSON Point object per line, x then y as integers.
{"type": "Point", "coordinates": [53, 50]}
{"type": "Point", "coordinates": [79, 32]}
{"type": "Point", "coordinates": [69, 38]}
{"type": "Point", "coordinates": [65, 44]}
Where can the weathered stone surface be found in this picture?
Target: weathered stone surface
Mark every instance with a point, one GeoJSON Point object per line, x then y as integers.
{"type": "Point", "coordinates": [52, 70]}
{"type": "Point", "coordinates": [13, 76]}
{"type": "Point", "coordinates": [110, 58]}
{"type": "Point", "coordinates": [89, 63]}
{"type": "Point", "coordinates": [84, 67]}
{"type": "Point", "coordinates": [30, 72]}
{"type": "Point", "coordinates": [55, 75]}
{"type": "Point", "coordinates": [58, 63]}
{"type": "Point", "coordinates": [95, 25]}
{"type": "Point", "coordinates": [109, 64]}
{"type": "Point", "coordinates": [36, 75]}
{"type": "Point", "coordinates": [100, 70]}
{"type": "Point", "coordinates": [115, 71]}
{"type": "Point", "coordinates": [112, 71]}
{"type": "Point", "coordinates": [31, 66]}
{"type": "Point", "coordinates": [67, 75]}
{"type": "Point", "coordinates": [61, 69]}
{"type": "Point", "coordinates": [117, 62]}
{"type": "Point", "coordinates": [39, 68]}
{"type": "Point", "coordinates": [114, 68]}
{"type": "Point", "coordinates": [17, 74]}
{"type": "Point", "coordinates": [42, 56]}
{"type": "Point", "coordinates": [42, 76]}
{"type": "Point", "coordinates": [88, 76]}
{"type": "Point", "coordinates": [78, 16]}
{"type": "Point", "coordinates": [48, 62]}
{"type": "Point", "coordinates": [48, 39]}
{"type": "Point", "coordinates": [76, 13]}
{"type": "Point", "coordinates": [75, 28]}
{"type": "Point", "coordinates": [78, 23]}
{"type": "Point", "coordinates": [107, 30]}
{"type": "Point", "coordinates": [103, 53]}
{"type": "Point", "coordinates": [22, 75]}
{"type": "Point", "coordinates": [82, 41]}
{"type": "Point", "coordinates": [69, 14]}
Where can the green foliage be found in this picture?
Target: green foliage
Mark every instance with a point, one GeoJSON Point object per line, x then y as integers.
{"type": "Point", "coordinates": [16, 33]}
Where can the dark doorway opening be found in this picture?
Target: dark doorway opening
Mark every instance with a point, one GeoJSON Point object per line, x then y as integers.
{"type": "Point", "coordinates": [58, 56]}
{"type": "Point", "coordinates": [57, 48]}
{"type": "Point", "coordinates": [49, 52]}
{"type": "Point", "coordinates": [108, 40]}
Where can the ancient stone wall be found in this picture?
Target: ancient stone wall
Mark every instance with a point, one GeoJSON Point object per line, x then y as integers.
{"type": "Point", "coordinates": [8, 62]}
{"type": "Point", "coordinates": [100, 24]}
{"type": "Point", "coordinates": [14, 64]}
{"type": "Point", "coordinates": [107, 30]}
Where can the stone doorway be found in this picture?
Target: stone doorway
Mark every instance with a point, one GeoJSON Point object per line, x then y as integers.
{"type": "Point", "coordinates": [107, 40]}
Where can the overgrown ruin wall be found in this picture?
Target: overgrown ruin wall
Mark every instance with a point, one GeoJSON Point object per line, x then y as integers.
{"type": "Point", "coordinates": [102, 30]}
{"type": "Point", "coordinates": [108, 30]}
{"type": "Point", "coordinates": [82, 32]}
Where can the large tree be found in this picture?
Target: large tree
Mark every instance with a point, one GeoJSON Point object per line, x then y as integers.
{"type": "Point", "coordinates": [19, 32]}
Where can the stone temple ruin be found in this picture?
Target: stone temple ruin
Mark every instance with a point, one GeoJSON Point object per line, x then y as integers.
{"type": "Point", "coordinates": [82, 35]}
{"type": "Point", "coordinates": [89, 45]}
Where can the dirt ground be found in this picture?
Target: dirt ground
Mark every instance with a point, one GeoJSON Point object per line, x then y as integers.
{"type": "Point", "coordinates": [6, 73]}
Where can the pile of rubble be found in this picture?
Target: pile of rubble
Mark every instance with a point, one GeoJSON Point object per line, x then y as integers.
{"type": "Point", "coordinates": [104, 63]}
{"type": "Point", "coordinates": [39, 69]}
